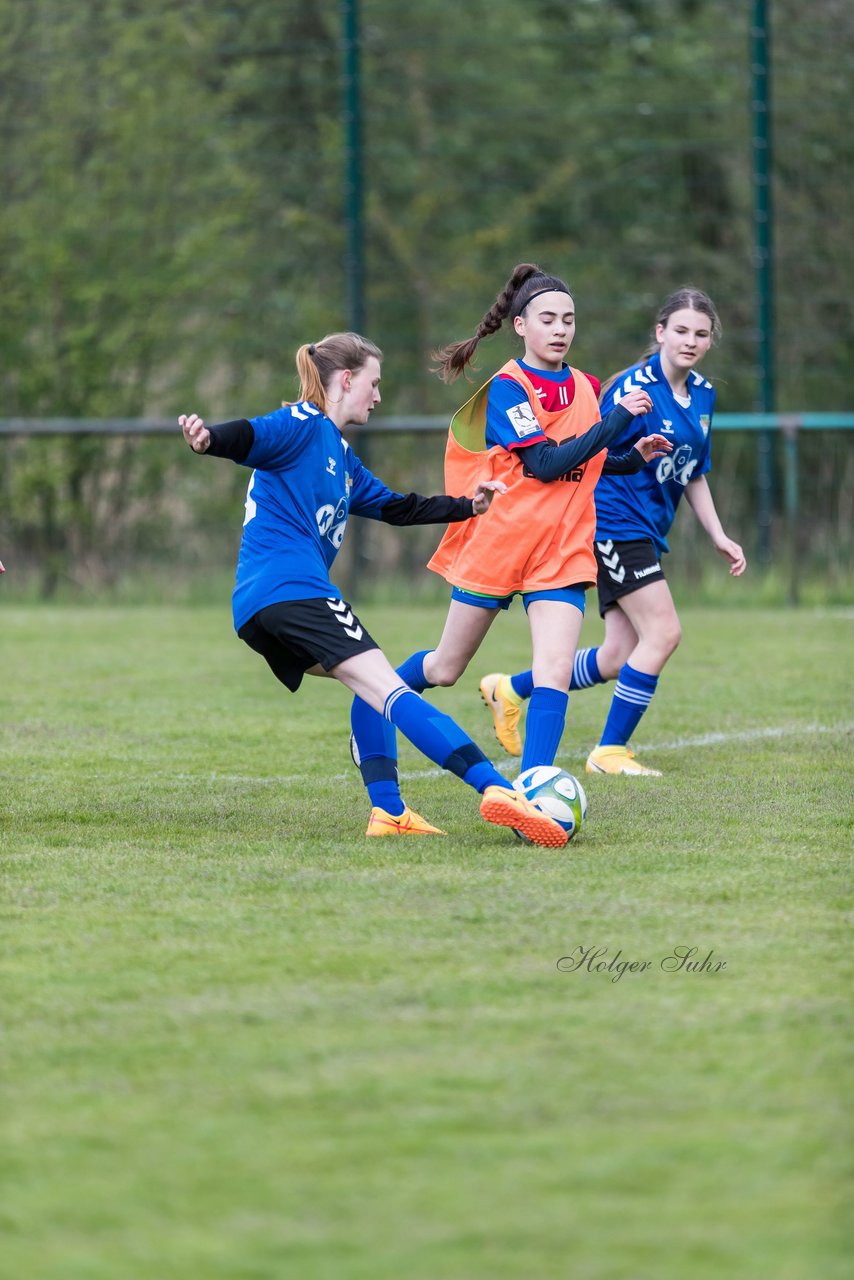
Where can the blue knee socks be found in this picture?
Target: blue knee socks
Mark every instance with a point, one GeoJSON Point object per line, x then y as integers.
{"type": "Point", "coordinates": [544, 726]}
{"type": "Point", "coordinates": [632, 695]}
{"type": "Point", "coordinates": [376, 741]}
{"type": "Point", "coordinates": [585, 672]}
{"type": "Point", "coordinates": [430, 730]}
{"type": "Point", "coordinates": [440, 739]}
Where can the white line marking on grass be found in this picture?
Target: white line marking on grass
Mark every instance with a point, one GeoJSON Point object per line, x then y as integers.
{"type": "Point", "coordinates": [681, 744]}
{"type": "Point", "coordinates": [507, 766]}
{"type": "Point", "coordinates": [748, 735]}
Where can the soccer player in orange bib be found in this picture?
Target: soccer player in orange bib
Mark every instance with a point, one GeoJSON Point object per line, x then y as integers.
{"type": "Point", "coordinates": [535, 426]}
{"type": "Point", "coordinates": [634, 514]}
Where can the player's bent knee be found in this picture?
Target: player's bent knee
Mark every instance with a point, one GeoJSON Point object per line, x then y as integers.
{"type": "Point", "coordinates": [610, 662]}
{"type": "Point", "coordinates": [442, 675]}
{"type": "Point", "coordinates": [675, 638]}
{"type": "Point", "coordinates": [670, 640]}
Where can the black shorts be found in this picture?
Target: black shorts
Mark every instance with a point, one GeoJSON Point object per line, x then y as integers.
{"type": "Point", "coordinates": [297, 634]}
{"type": "Point", "coordinates": [625, 567]}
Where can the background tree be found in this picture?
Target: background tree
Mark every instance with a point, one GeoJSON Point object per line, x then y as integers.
{"type": "Point", "coordinates": [174, 216]}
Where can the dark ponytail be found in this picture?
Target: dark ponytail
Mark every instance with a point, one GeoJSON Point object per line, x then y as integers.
{"type": "Point", "coordinates": [524, 284]}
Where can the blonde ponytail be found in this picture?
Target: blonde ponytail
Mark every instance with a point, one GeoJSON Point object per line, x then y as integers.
{"type": "Point", "coordinates": [316, 363]}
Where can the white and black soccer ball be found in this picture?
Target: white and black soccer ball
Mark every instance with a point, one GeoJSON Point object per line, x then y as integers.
{"type": "Point", "coordinates": [557, 793]}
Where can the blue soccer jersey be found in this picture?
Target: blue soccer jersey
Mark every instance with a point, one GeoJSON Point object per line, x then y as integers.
{"type": "Point", "coordinates": [305, 482]}
{"type": "Point", "coordinates": [510, 420]}
{"type": "Point", "coordinates": [644, 505]}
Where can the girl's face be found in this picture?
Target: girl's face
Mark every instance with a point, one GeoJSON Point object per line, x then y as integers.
{"type": "Point", "coordinates": [361, 391]}
{"type": "Point", "coordinates": [548, 327]}
{"type": "Point", "coordinates": [684, 338]}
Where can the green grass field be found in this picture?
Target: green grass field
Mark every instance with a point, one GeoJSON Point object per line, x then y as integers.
{"type": "Point", "coordinates": [240, 1041]}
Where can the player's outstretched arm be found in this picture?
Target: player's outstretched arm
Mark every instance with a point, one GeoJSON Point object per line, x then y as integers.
{"type": "Point", "coordinates": [547, 461]}
{"type": "Point", "coordinates": [654, 446]}
{"type": "Point", "coordinates": [484, 493]}
{"type": "Point", "coordinates": [195, 432]}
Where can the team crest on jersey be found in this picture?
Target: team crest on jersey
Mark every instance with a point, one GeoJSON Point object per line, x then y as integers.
{"type": "Point", "coordinates": [705, 423]}
{"type": "Point", "coordinates": [523, 420]}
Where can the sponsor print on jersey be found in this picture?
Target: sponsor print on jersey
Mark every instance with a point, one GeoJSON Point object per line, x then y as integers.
{"type": "Point", "coordinates": [575, 476]}
{"type": "Point", "coordinates": [679, 467]}
{"type": "Point", "coordinates": [332, 521]}
{"type": "Point", "coordinates": [523, 420]}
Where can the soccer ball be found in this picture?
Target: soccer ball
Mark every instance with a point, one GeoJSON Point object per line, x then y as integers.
{"type": "Point", "coordinates": [557, 793]}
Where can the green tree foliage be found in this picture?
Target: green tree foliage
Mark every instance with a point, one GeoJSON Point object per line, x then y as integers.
{"type": "Point", "coordinates": [113, 145]}
{"type": "Point", "coordinates": [174, 209]}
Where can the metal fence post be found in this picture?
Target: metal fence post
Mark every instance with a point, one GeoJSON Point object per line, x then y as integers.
{"type": "Point", "coordinates": [353, 216]}
{"type": "Point", "coordinates": [763, 219]}
{"type": "Point", "coordinates": [789, 428]}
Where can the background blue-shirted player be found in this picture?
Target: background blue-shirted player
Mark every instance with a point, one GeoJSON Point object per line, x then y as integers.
{"type": "Point", "coordinates": [306, 481]}
{"type": "Point", "coordinates": [634, 514]}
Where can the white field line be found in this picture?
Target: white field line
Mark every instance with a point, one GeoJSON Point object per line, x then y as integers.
{"type": "Point", "coordinates": [508, 766]}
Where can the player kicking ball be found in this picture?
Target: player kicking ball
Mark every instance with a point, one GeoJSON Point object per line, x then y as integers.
{"type": "Point", "coordinates": [305, 483]}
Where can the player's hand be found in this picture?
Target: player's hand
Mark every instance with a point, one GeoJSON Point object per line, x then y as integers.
{"type": "Point", "coordinates": [2, 568]}
{"type": "Point", "coordinates": [637, 402]}
{"type": "Point", "coordinates": [650, 447]}
{"type": "Point", "coordinates": [484, 493]}
{"type": "Point", "coordinates": [195, 432]}
{"type": "Point", "coordinates": [732, 551]}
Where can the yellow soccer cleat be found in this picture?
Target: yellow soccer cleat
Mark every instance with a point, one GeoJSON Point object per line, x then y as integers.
{"type": "Point", "coordinates": [617, 760]}
{"type": "Point", "coordinates": [506, 707]}
{"type": "Point", "coordinates": [408, 823]}
{"type": "Point", "coordinates": [508, 808]}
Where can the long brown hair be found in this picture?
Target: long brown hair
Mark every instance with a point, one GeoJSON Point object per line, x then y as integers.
{"type": "Point", "coordinates": [526, 281]}
{"type": "Point", "coordinates": [686, 298]}
{"type": "Point", "coordinates": [317, 361]}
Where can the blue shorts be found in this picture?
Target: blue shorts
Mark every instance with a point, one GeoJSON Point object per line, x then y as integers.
{"type": "Point", "coordinates": [567, 595]}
